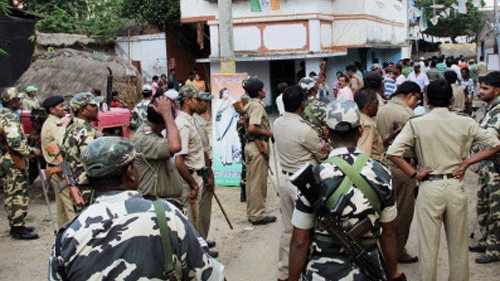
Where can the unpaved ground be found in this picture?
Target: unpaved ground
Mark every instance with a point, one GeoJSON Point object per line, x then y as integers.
{"type": "Point", "coordinates": [249, 253]}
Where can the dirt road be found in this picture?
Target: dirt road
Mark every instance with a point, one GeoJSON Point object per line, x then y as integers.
{"type": "Point", "coordinates": [249, 253]}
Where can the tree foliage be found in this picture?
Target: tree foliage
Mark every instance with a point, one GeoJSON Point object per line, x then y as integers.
{"type": "Point", "coordinates": [155, 12]}
{"type": "Point", "coordinates": [89, 17]}
{"type": "Point", "coordinates": [456, 24]}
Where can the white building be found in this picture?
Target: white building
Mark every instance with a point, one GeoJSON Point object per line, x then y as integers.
{"type": "Point", "coordinates": [272, 44]}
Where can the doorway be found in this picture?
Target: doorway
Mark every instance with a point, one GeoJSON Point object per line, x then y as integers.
{"type": "Point", "coordinates": [281, 71]}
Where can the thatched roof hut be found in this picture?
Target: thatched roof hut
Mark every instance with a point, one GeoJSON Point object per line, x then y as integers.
{"type": "Point", "coordinates": [67, 72]}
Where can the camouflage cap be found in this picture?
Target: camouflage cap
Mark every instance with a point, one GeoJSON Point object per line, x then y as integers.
{"type": "Point", "coordinates": [82, 99]}
{"type": "Point", "coordinates": [188, 92]}
{"type": "Point", "coordinates": [343, 115]}
{"type": "Point", "coordinates": [107, 154]}
{"type": "Point", "coordinates": [307, 83]}
{"type": "Point", "coordinates": [9, 95]}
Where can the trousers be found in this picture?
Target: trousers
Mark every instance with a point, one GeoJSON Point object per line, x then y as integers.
{"type": "Point", "coordinates": [64, 202]}
{"type": "Point", "coordinates": [288, 195]}
{"type": "Point", "coordinates": [442, 202]}
{"type": "Point", "coordinates": [256, 182]}
{"type": "Point", "coordinates": [16, 196]}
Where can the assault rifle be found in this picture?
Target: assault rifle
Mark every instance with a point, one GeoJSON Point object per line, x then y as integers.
{"type": "Point", "coordinates": [74, 191]}
{"type": "Point", "coordinates": [15, 155]}
{"type": "Point", "coordinates": [309, 185]}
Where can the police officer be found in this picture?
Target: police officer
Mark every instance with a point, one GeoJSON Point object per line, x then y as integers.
{"type": "Point", "coordinates": [441, 141]}
{"type": "Point", "coordinates": [119, 237]}
{"type": "Point", "coordinates": [80, 133]}
{"type": "Point", "coordinates": [328, 260]}
{"type": "Point", "coordinates": [158, 178]}
{"type": "Point", "coordinates": [296, 143]}
{"type": "Point", "coordinates": [257, 130]}
{"type": "Point", "coordinates": [390, 120]}
{"type": "Point", "coordinates": [14, 153]}
{"type": "Point", "coordinates": [53, 130]}
{"type": "Point", "coordinates": [139, 113]}
{"type": "Point", "coordinates": [30, 101]}
{"type": "Point", "coordinates": [190, 160]}
{"type": "Point", "coordinates": [315, 109]}
{"type": "Point", "coordinates": [370, 142]}
{"type": "Point", "coordinates": [207, 192]}
{"type": "Point", "coordinates": [488, 203]}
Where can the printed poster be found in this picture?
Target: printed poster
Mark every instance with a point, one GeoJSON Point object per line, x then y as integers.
{"type": "Point", "coordinates": [227, 150]}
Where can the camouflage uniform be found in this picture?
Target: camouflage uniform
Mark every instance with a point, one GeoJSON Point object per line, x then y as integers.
{"type": "Point", "coordinates": [328, 259]}
{"type": "Point", "coordinates": [15, 178]}
{"type": "Point", "coordinates": [118, 237]}
{"type": "Point", "coordinates": [139, 114]}
{"type": "Point", "coordinates": [488, 202]}
{"type": "Point", "coordinates": [78, 135]}
{"type": "Point", "coordinates": [315, 110]}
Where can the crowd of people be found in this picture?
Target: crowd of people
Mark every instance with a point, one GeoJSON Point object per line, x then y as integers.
{"type": "Point", "coordinates": [384, 144]}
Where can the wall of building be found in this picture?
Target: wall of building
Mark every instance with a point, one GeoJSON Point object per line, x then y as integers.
{"type": "Point", "coordinates": [149, 49]}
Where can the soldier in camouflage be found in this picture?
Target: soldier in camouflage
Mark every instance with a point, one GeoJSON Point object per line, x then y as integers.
{"type": "Point", "coordinates": [118, 237]}
{"type": "Point", "coordinates": [488, 202]}
{"type": "Point", "coordinates": [139, 113]}
{"type": "Point", "coordinates": [80, 133]}
{"type": "Point", "coordinates": [315, 110]}
{"type": "Point", "coordinates": [14, 153]}
{"type": "Point", "coordinates": [328, 260]}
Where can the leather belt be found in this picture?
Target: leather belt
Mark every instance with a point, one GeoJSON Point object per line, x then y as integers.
{"type": "Point", "coordinates": [286, 173]}
{"type": "Point", "coordinates": [198, 172]}
{"type": "Point", "coordinates": [52, 165]}
{"type": "Point", "coordinates": [438, 177]}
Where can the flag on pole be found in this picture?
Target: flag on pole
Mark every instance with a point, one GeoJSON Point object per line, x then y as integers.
{"type": "Point", "coordinates": [422, 23]}
{"type": "Point", "coordinates": [264, 5]}
{"type": "Point", "coordinates": [462, 8]}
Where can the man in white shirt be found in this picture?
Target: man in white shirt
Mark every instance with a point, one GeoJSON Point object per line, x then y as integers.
{"type": "Point", "coordinates": [279, 100]}
{"type": "Point", "coordinates": [419, 77]}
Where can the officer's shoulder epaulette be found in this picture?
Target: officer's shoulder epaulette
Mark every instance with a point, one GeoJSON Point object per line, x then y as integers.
{"type": "Point", "coordinates": [462, 114]}
{"type": "Point", "coordinates": [415, 116]}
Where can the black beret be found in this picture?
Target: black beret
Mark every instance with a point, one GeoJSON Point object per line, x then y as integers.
{"type": "Point", "coordinates": [52, 101]}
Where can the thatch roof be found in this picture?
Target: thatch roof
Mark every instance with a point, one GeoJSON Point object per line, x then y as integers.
{"type": "Point", "coordinates": [63, 39]}
{"type": "Point", "coordinates": [67, 72]}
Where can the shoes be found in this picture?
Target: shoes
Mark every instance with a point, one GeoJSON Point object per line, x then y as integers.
{"type": "Point", "coordinates": [23, 233]}
{"type": "Point", "coordinates": [477, 248]}
{"type": "Point", "coordinates": [265, 220]}
{"type": "Point", "coordinates": [28, 228]}
{"type": "Point", "coordinates": [408, 259]}
{"type": "Point", "coordinates": [211, 244]}
{"type": "Point", "coordinates": [213, 254]}
{"type": "Point", "coordinates": [484, 259]}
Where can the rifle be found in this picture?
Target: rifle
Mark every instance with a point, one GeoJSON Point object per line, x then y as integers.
{"type": "Point", "coordinates": [74, 191]}
{"type": "Point", "coordinates": [309, 185]}
{"type": "Point", "coordinates": [263, 151]}
{"type": "Point", "coordinates": [50, 171]}
{"type": "Point", "coordinates": [44, 187]}
{"type": "Point", "coordinates": [15, 157]}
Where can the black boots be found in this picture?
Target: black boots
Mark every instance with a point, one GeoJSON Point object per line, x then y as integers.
{"type": "Point", "coordinates": [23, 233]}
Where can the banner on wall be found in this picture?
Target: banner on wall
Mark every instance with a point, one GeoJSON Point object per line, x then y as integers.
{"type": "Point", "coordinates": [227, 150]}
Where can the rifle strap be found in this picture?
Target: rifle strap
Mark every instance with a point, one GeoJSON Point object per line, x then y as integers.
{"type": "Point", "coordinates": [165, 236]}
{"type": "Point", "coordinates": [352, 175]}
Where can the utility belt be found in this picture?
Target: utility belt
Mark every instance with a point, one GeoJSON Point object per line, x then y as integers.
{"type": "Point", "coordinates": [368, 243]}
{"type": "Point", "coordinates": [203, 172]}
{"type": "Point", "coordinates": [251, 138]}
{"type": "Point", "coordinates": [438, 177]}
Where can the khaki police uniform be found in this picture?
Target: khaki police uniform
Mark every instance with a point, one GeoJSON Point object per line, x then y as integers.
{"type": "Point", "coordinates": [370, 142]}
{"type": "Point", "coordinates": [399, 112]}
{"type": "Point", "coordinates": [205, 214]}
{"type": "Point", "coordinates": [158, 177]}
{"type": "Point", "coordinates": [297, 143]}
{"type": "Point", "coordinates": [441, 141]}
{"type": "Point", "coordinates": [256, 166]}
{"type": "Point", "coordinates": [194, 158]}
{"type": "Point", "coordinates": [53, 129]}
